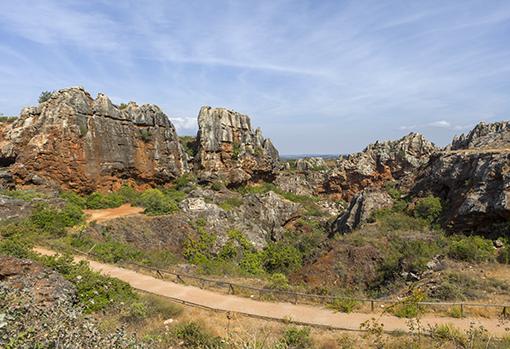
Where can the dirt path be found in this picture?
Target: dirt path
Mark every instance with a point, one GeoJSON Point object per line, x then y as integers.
{"type": "Point", "coordinates": [302, 314]}
{"type": "Point", "coordinates": [111, 213]}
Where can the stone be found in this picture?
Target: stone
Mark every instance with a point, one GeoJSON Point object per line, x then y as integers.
{"type": "Point", "coordinates": [229, 148]}
{"type": "Point", "coordinates": [14, 208]}
{"type": "Point", "coordinates": [494, 135]}
{"type": "Point", "coordinates": [85, 144]}
{"type": "Point", "coordinates": [361, 209]}
{"type": "Point", "coordinates": [472, 177]}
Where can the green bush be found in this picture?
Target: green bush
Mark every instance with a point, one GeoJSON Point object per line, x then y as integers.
{"type": "Point", "coordinates": [25, 195]}
{"type": "Point", "coordinates": [190, 145]}
{"type": "Point", "coordinates": [193, 335]}
{"type": "Point", "coordinates": [278, 281]}
{"type": "Point", "coordinates": [471, 249]}
{"type": "Point", "coordinates": [409, 307]}
{"type": "Point", "coordinates": [428, 208]}
{"type": "Point", "coordinates": [157, 203]}
{"type": "Point", "coordinates": [231, 203]}
{"type": "Point", "coordinates": [55, 221]}
{"type": "Point", "coordinates": [392, 220]}
{"type": "Point", "coordinates": [297, 338]}
{"type": "Point", "coordinates": [343, 305]}
{"type": "Point", "coordinates": [95, 291]}
{"type": "Point", "coordinates": [99, 201]}
{"type": "Point", "coordinates": [504, 255]}
{"type": "Point", "coordinates": [281, 258]}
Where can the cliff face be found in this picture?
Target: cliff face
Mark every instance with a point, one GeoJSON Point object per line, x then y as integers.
{"type": "Point", "coordinates": [228, 147]}
{"type": "Point", "coordinates": [86, 144]}
{"type": "Point", "coordinates": [473, 179]}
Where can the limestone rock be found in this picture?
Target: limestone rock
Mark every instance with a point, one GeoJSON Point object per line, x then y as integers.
{"type": "Point", "coordinates": [494, 135]}
{"type": "Point", "coordinates": [361, 208]}
{"type": "Point", "coordinates": [84, 144]}
{"type": "Point", "coordinates": [228, 147]}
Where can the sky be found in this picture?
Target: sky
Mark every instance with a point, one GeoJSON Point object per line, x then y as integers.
{"type": "Point", "coordinates": [317, 76]}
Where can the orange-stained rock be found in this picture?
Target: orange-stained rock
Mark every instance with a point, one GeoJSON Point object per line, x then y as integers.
{"type": "Point", "coordinates": [76, 142]}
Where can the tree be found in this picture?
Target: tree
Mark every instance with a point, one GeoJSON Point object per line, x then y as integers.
{"type": "Point", "coordinates": [45, 95]}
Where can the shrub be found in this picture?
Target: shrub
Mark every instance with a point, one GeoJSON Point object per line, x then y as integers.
{"type": "Point", "coordinates": [392, 190]}
{"type": "Point", "coordinates": [251, 263]}
{"type": "Point", "coordinates": [45, 96]}
{"type": "Point", "coordinates": [231, 203]}
{"type": "Point", "coordinates": [73, 198]}
{"type": "Point", "coordinates": [409, 307]}
{"type": "Point", "coordinates": [343, 305]}
{"type": "Point", "coordinates": [281, 258]}
{"type": "Point", "coordinates": [16, 246]}
{"type": "Point", "coordinates": [156, 203]}
{"type": "Point", "coordinates": [446, 332]}
{"type": "Point", "coordinates": [184, 181]}
{"type": "Point", "coordinates": [428, 208]}
{"type": "Point", "coordinates": [198, 251]}
{"type": "Point", "coordinates": [190, 145]}
{"type": "Point", "coordinates": [297, 338]}
{"type": "Point", "coordinates": [99, 201]}
{"type": "Point", "coordinates": [278, 281]}
{"type": "Point", "coordinates": [471, 249]}
{"type": "Point", "coordinates": [145, 135]}
{"type": "Point", "coordinates": [25, 195]}
{"type": "Point", "coordinates": [504, 254]}
{"type": "Point", "coordinates": [95, 291]}
{"type": "Point", "coordinates": [54, 221]}
{"type": "Point", "coordinates": [392, 220]}
{"type": "Point", "coordinates": [193, 335]}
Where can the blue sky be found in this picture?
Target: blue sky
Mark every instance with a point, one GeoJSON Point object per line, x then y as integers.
{"type": "Point", "coordinates": [316, 76]}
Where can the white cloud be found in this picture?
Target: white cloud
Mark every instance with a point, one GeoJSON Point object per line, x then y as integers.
{"type": "Point", "coordinates": [184, 123]}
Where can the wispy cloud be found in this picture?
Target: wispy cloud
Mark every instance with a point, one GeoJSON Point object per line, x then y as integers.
{"type": "Point", "coordinates": [442, 124]}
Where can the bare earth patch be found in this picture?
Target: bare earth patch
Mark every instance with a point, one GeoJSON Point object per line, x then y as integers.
{"type": "Point", "coordinates": [112, 213]}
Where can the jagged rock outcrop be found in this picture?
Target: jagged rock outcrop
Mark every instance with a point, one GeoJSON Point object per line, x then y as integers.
{"type": "Point", "coordinates": [86, 144]}
{"type": "Point", "coordinates": [229, 148]}
{"type": "Point", "coordinates": [473, 180]}
{"type": "Point", "coordinates": [361, 209]}
{"type": "Point", "coordinates": [495, 135]}
{"type": "Point", "coordinates": [379, 163]}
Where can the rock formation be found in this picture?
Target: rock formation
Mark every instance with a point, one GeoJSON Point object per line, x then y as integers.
{"type": "Point", "coordinates": [361, 209]}
{"type": "Point", "coordinates": [377, 164]}
{"type": "Point", "coordinates": [495, 135]}
{"type": "Point", "coordinates": [473, 179]}
{"type": "Point", "coordinates": [83, 144]}
{"type": "Point", "coordinates": [229, 148]}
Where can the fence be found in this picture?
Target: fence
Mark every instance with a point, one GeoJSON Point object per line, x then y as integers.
{"type": "Point", "coordinates": [291, 296]}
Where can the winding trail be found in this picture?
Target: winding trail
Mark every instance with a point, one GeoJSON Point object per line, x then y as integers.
{"type": "Point", "coordinates": [296, 313]}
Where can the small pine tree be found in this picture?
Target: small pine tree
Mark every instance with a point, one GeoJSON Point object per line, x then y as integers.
{"type": "Point", "coordinates": [45, 95]}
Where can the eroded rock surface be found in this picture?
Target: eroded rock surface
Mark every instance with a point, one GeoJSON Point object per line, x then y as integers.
{"type": "Point", "coordinates": [229, 148]}
{"type": "Point", "coordinates": [86, 144]}
{"type": "Point", "coordinates": [361, 209]}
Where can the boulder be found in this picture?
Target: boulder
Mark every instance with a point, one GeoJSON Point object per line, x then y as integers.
{"type": "Point", "coordinates": [230, 149]}
{"type": "Point", "coordinates": [361, 209]}
{"type": "Point", "coordinates": [85, 144]}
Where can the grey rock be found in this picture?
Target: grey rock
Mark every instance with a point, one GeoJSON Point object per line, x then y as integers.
{"type": "Point", "coordinates": [361, 208]}
{"type": "Point", "coordinates": [230, 148]}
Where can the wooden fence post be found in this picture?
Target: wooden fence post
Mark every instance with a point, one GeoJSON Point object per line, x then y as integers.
{"type": "Point", "coordinates": [231, 289]}
{"type": "Point", "coordinates": [372, 305]}
{"type": "Point", "coordinates": [461, 309]}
